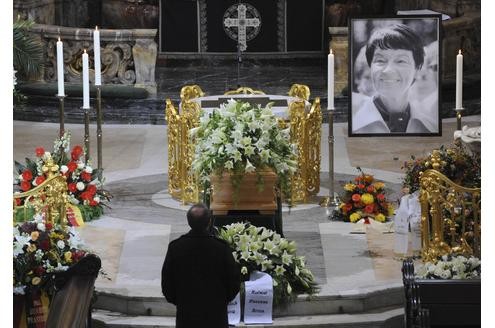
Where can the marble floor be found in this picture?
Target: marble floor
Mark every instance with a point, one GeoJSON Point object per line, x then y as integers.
{"type": "Point", "coordinates": [134, 232]}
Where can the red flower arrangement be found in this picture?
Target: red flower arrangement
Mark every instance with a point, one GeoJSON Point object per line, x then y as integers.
{"type": "Point", "coordinates": [365, 198]}
{"type": "Point", "coordinates": [84, 184]}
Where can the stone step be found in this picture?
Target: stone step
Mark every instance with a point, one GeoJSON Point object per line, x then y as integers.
{"type": "Point", "coordinates": [387, 318]}
{"type": "Point", "coordinates": [353, 301]}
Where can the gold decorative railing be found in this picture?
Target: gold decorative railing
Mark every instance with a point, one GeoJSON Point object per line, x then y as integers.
{"type": "Point", "coordinates": [49, 198]}
{"type": "Point", "coordinates": [182, 183]}
{"type": "Point", "coordinates": [300, 91]}
{"type": "Point", "coordinates": [244, 91]}
{"type": "Point", "coordinates": [450, 217]}
{"type": "Point", "coordinates": [305, 130]}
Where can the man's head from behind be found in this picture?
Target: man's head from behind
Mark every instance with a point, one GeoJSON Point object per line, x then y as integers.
{"type": "Point", "coordinates": [198, 217]}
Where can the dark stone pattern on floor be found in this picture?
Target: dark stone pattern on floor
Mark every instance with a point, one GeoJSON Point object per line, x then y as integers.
{"type": "Point", "coordinates": [216, 76]}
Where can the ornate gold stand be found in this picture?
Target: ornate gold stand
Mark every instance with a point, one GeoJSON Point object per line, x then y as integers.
{"type": "Point", "coordinates": [450, 216]}
{"type": "Point", "coordinates": [49, 197]}
{"type": "Point", "coordinates": [305, 130]}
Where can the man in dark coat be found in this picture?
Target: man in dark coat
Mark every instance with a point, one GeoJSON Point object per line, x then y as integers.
{"type": "Point", "coordinates": [200, 275]}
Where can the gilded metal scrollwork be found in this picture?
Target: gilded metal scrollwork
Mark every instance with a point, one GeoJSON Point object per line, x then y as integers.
{"type": "Point", "coordinates": [50, 197]}
{"type": "Point", "coordinates": [297, 117]}
{"type": "Point", "coordinates": [190, 92]}
{"type": "Point", "coordinates": [189, 119]}
{"type": "Point", "coordinates": [300, 91]}
{"type": "Point", "coordinates": [313, 144]}
{"type": "Point", "coordinates": [450, 216]}
{"type": "Point", "coordinates": [174, 146]}
{"type": "Point", "coordinates": [245, 91]}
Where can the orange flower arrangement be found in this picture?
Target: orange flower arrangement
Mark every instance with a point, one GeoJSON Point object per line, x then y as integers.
{"type": "Point", "coordinates": [365, 198]}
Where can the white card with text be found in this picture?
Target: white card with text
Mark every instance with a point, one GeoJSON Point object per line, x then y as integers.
{"type": "Point", "coordinates": [259, 298]}
{"type": "Point", "coordinates": [234, 310]}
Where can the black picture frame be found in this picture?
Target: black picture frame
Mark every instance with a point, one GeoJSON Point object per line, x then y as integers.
{"type": "Point", "coordinates": [378, 83]}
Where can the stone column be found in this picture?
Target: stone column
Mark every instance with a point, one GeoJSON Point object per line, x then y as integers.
{"type": "Point", "coordinates": [339, 44]}
{"type": "Point", "coordinates": [144, 53]}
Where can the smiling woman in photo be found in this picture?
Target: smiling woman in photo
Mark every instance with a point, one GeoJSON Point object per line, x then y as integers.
{"type": "Point", "coordinates": [395, 55]}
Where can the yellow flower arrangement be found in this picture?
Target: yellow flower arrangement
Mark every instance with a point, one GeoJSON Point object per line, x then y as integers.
{"type": "Point", "coordinates": [380, 217]}
{"type": "Point", "coordinates": [349, 187]}
{"type": "Point", "coordinates": [391, 210]}
{"type": "Point", "coordinates": [367, 199]}
{"type": "Point", "coordinates": [379, 185]}
{"type": "Point", "coordinates": [364, 198]}
{"type": "Point", "coordinates": [354, 217]}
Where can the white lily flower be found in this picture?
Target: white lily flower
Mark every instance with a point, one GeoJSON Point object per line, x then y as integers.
{"type": "Point", "coordinates": [279, 270]}
{"type": "Point", "coordinates": [265, 155]}
{"type": "Point", "coordinates": [249, 167]}
{"type": "Point", "coordinates": [237, 156]}
{"type": "Point", "coordinates": [249, 150]}
{"type": "Point", "coordinates": [286, 258]}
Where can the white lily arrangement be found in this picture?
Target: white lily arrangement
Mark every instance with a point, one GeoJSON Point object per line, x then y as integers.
{"type": "Point", "coordinates": [241, 138]}
{"type": "Point", "coordinates": [450, 267]}
{"type": "Point", "coordinates": [261, 249]}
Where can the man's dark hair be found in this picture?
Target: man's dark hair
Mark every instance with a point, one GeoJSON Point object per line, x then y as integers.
{"type": "Point", "coordinates": [198, 217]}
{"type": "Point", "coordinates": [397, 36]}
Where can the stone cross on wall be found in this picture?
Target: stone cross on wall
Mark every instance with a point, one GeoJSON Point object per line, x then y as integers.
{"type": "Point", "coordinates": [241, 23]}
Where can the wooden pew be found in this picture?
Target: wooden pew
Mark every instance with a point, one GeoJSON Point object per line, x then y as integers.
{"type": "Point", "coordinates": [72, 303]}
{"type": "Point", "coordinates": [440, 303]}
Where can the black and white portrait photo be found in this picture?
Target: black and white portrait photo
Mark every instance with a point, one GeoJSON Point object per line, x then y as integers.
{"type": "Point", "coordinates": [394, 76]}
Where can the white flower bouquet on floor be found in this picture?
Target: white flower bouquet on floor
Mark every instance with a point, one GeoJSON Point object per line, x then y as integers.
{"type": "Point", "coordinates": [450, 267]}
{"type": "Point", "coordinates": [260, 249]}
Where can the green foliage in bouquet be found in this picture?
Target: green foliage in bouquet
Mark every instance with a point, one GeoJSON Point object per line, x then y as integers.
{"type": "Point", "coordinates": [239, 138]}
{"type": "Point", "coordinates": [457, 164]}
{"type": "Point", "coordinates": [84, 184]}
{"type": "Point", "coordinates": [260, 249]}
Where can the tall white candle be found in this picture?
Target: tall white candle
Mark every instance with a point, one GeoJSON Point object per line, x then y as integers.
{"type": "Point", "coordinates": [330, 80]}
{"type": "Point", "coordinates": [85, 80]}
{"type": "Point", "coordinates": [96, 47]}
{"type": "Point", "coordinates": [60, 67]}
{"type": "Point", "coordinates": [458, 82]}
